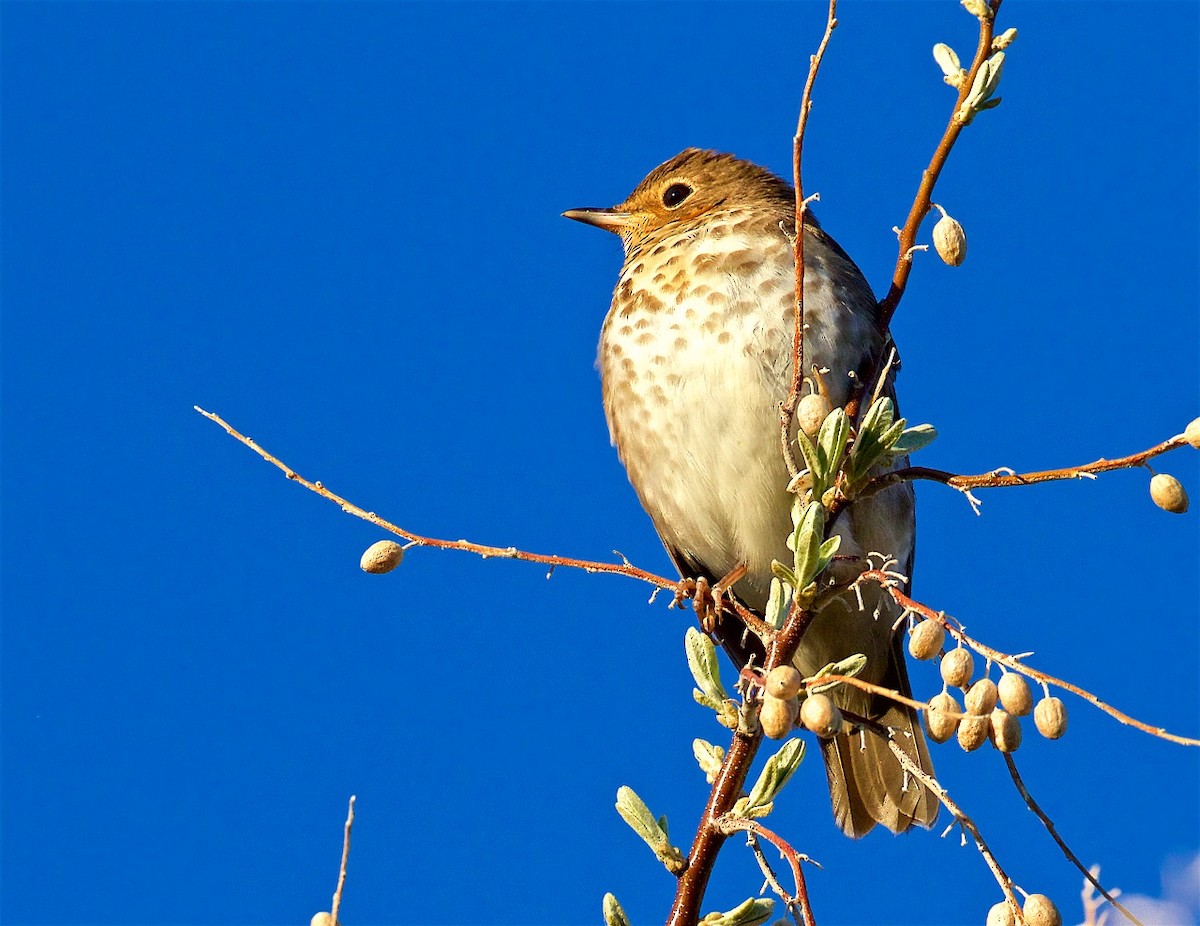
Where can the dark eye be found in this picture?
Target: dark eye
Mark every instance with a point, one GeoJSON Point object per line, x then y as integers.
{"type": "Point", "coordinates": [675, 194]}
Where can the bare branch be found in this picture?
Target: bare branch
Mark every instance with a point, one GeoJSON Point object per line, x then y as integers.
{"type": "Point", "coordinates": [1049, 824]}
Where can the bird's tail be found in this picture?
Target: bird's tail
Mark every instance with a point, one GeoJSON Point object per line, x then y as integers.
{"type": "Point", "coordinates": [867, 783]}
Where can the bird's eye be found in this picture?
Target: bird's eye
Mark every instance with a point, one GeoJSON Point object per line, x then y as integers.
{"type": "Point", "coordinates": [675, 194]}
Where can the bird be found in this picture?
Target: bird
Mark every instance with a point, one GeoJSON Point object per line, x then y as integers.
{"type": "Point", "coordinates": [695, 359]}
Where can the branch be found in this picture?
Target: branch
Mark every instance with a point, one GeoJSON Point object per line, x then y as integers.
{"type": "Point", "coordinates": [1000, 478]}
{"type": "Point", "coordinates": [341, 882]}
{"type": "Point", "coordinates": [1049, 824]}
{"type": "Point", "coordinates": [924, 198]}
{"type": "Point", "coordinates": [732, 823]}
{"type": "Point", "coordinates": [954, 628]}
{"type": "Point", "coordinates": [483, 550]}
{"type": "Point", "coordinates": [788, 411]}
{"type": "Point", "coordinates": [964, 821]}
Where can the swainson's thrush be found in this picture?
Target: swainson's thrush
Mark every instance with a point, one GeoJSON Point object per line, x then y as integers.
{"type": "Point", "coordinates": [696, 358]}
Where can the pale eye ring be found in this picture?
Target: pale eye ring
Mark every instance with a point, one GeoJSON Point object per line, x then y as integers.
{"type": "Point", "coordinates": [675, 194]}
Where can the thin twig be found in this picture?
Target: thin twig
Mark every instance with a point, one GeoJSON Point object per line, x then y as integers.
{"type": "Point", "coordinates": [924, 197]}
{"type": "Point", "coordinates": [487, 552]}
{"type": "Point", "coordinates": [1049, 824]}
{"type": "Point", "coordinates": [341, 882]}
{"type": "Point", "coordinates": [732, 823]}
{"type": "Point", "coordinates": [788, 411]}
{"type": "Point", "coordinates": [1000, 479]}
{"type": "Point", "coordinates": [964, 821]}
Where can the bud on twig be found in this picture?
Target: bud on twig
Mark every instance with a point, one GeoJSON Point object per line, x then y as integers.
{"type": "Point", "coordinates": [1168, 493]}
{"type": "Point", "coordinates": [949, 239]}
{"type": "Point", "coordinates": [926, 640]}
{"type": "Point", "coordinates": [381, 557]}
{"type": "Point", "coordinates": [1039, 910]}
{"type": "Point", "coordinates": [777, 716]}
{"type": "Point", "coordinates": [941, 717]}
{"type": "Point", "coordinates": [820, 715]}
{"type": "Point", "coordinates": [1014, 694]}
{"type": "Point", "coordinates": [1192, 433]}
{"type": "Point", "coordinates": [1050, 717]}
{"type": "Point", "coordinates": [957, 667]}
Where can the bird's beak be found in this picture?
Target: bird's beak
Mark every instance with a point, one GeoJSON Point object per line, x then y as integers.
{"type": "Point", "coordinates": [611, 220]}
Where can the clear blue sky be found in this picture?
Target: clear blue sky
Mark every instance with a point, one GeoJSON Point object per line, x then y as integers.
{"type": "Point", "coordinates": [338, 225]}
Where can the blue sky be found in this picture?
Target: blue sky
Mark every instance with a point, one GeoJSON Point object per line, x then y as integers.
{"type": "Point", "coordinates": [338, 225]}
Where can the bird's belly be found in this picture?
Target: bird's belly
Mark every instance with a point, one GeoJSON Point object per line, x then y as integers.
{"type": "Point", "coordinates": [698, 431]}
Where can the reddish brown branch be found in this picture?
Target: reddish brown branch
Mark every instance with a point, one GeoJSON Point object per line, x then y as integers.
{"type": "Point", "coordinates": [788, 411]}
{"type": "Point", "coordinates": [998, 479]}
{"type": "Point", "coordinates": [731, 823]}
{"type": "Point", "coordinates": [1049, 824]}
{"type": "Point", "coordinates": [487, 552]}
{"type": "Point", "coordinates": [689, 893]}
{"type": "Point", "coordinates": [924, 198]}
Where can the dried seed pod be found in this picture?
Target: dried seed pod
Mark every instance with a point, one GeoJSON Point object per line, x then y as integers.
{"type": "Point", "coordinates": [820, 715]}
{"type": "Point", "coordinates": [957, 667]}
{"type": "Point", "coordinates": [982, 697]}
{"type": "Point", "coordinates": [1192, 433]}
{"type": "Point", "coordinates": [321, 919]}
{"type": "Point", "coordinates": [926, 640]}
{"type": "Point", "coordinates": [783, 682]}
{"type": "Point", "coordinates": [777, 716]}
{"type": "Point", "coordinates": [811, 413]}
{"type": "Point", "coordinates": [1001, 914]}
{"type": "Point", "coordinates": [1015, 694]}
{"type": "Point", "coordinates": [941, 718]}
{"type": "Point", "coordinates": [1168, 493]}
{"type": "Point", "coordinates": [382, 557]}
{"type": "Point", "coordinates": [949, 239]}
{"type": "Point", "coordinates": [1039, 910]}
{"type": "Point", "coordinates": [972, 732]}
{"type": "Point", "coordinates": [1005, 730]}
{"type": "Point", "coordinates": [1050, 717]}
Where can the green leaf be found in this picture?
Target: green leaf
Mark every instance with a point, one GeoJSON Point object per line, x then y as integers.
{"type": "Point", "coordinates": [806, 541]}
{"type": "Point", "coordinates": [752, 912]}
{"type": "Point", "coordinates": [614, 915]}
{"type": "Point", "coordinates": [775, 774]}
{"type": "Point", "coordinates": [826, 553]}
{"type": "Point", "coordinates": [633, 810]}
{"type": "Point", "coordinates": [702, 660]}
{"type": "Point", "coordinates": [812, 459]}
{"type": "Point", "coordinates": [778, 603]}
{"type": "Point", "coordinates": [851, 666]}
{"type": "Point", "coordinates": [831, 444]}
{"type": "Point", "coordinates": [783, 573]}
{"type": "Point", "coordinates": [913, 439]}
{"type": "Point", "coordinates": [708, 757]}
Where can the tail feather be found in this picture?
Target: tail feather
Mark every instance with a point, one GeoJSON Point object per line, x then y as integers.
{"type": "Point", "coordinates": [867, 783]}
